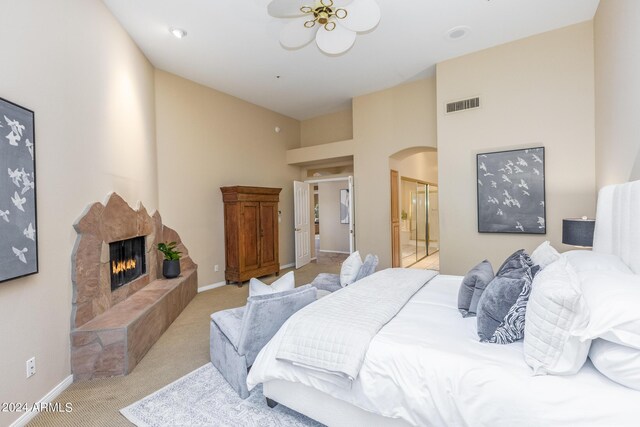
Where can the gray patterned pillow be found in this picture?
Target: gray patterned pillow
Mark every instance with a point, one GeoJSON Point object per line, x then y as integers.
{"type": "Point", "coordinates": [511, 329]}
{"type": "Point", "coordinates": [501, 309]}
{"type": "Point", "coordinates": [476, 280]}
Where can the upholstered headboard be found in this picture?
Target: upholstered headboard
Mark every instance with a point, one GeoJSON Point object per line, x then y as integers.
{"type": "Point", "coordinates": [618, 223]}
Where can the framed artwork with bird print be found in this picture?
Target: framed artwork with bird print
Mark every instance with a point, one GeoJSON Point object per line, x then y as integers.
{"type": "Point", "coordinates": [18, 218]}
{"type": "Point", "coordinates": [511, 194]}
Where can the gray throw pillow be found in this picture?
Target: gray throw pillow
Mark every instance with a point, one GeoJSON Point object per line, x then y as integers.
{"type": "Point", "coordinates": [514, 265]}
{"type": "Point", "coordinates": [476, 280]}
{"type": "Point", "coordinates": [511, 329]}
{"type": "Point", "coordinates": [502, 305]}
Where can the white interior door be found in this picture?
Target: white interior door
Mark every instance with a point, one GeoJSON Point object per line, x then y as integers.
{"type": "Point", "coordinates": [301, 224]}
{"type": "Point", "coordinates": [352, 229]}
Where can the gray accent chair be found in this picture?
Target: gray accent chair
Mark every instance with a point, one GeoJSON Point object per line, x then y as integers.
{"type": "Point", "coordinates": [331, 282]}
{"type": "Point", "coordinates": [238, 334]}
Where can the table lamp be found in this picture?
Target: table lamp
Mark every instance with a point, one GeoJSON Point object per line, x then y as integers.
{"type": "Point", "coordinates": [578, 231]}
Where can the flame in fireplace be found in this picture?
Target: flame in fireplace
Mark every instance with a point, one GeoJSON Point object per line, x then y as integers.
{"type": "Point", "coordinates": [120, 266]}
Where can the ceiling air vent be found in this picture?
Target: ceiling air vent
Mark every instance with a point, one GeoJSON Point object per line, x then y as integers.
{"type": "Point", "coordinates": [465, 104]}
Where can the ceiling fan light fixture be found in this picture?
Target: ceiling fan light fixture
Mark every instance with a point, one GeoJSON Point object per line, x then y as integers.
{"type": "Point", "coordinates": [296, 34]}
{"type": "Point", "coordinates": [338, 21]}
{"type": "Point", "coordinates": [178, 33]}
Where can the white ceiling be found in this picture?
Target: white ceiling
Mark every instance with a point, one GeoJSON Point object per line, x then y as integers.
{"type": "Point", "coordinates": [232, 45]}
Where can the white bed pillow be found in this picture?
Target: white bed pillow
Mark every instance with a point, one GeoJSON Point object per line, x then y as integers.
{"type": "Point", "coordinates": [350, 268]}
{"type": "Point", "coordinates": [617, 362]}
{"type": "Point", "coordinates": [589, 261]}
{"type": "Point", "coordinates": [556, 313]}
{"type": "Point", "coordinates": [285, 283]}
{"type": "Point", "coordinates": [613, 299]}
{"type": "Point", "coordinates": [545, 254]}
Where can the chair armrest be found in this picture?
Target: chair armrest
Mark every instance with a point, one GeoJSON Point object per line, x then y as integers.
{"type": "Point", "coordinates": [265, 315]}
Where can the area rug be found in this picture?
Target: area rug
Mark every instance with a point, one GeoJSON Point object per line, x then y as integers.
{"type": "Point", "coordinates": [204, 398]}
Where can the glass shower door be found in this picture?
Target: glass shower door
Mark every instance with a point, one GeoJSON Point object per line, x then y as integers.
{"type": "Point", "coordinates": [421, 221]}
{"type": "Point", "coordinates": [414, 228]}
{"type": "Point", "coordinates": [433, 220]}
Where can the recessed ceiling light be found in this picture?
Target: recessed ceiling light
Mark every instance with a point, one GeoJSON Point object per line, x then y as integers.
{"type": "Point", "coordinates": [178, 32]}
{"type": "Point", "coordinates": [457, 33]}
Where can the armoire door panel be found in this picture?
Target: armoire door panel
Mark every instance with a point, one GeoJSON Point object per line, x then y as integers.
{"type": "Point", "coordinates": [250, 236]}
{"type": "Point", "coordinates": [231, 237]}
{"type": "Point", "coordinates": [268, 234]}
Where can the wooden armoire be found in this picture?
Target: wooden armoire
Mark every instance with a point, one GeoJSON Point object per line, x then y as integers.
{"type": "Point", "coordinates": [250, 232]}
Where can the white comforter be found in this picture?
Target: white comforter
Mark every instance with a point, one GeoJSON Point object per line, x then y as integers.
{"type": "Point", "coordinates": [427, 367]}
{"type": "Point", "coordinates": [316, 337]}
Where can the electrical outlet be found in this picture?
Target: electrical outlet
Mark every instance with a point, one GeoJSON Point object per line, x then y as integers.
{"type": "Point", "coordinates": [31, 367]}
{"type": "Point", "coordinates": [216, 267]}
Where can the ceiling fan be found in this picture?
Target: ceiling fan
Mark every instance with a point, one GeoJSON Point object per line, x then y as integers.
{"type": "Point", "coordinates": [333, 24]}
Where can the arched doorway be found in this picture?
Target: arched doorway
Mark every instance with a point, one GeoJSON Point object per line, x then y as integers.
{"type": "Point", "coordinates": [415, 230]}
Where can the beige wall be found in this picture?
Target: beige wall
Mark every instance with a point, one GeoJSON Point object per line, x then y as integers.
{"type": "Point", "coordinates": [207, 140]}
{"type": "Point", "coordinates": [617, 67]}
{"type": "Point", "coordinates": [92, 93]}
{"type": "Point", "coordinates": [334, 237]}
{"type": "Point", "coordinates": [332, 127]}
{"type": "Point", "coordinates": [421, 166]}
{"type": "Point", "coordinates": [385, 123]}
{"type": "Point", "coordinates": [535, 92]}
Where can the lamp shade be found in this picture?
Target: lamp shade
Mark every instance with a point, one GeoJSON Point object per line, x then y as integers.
{"type": "Point", "coordinates": [578, 231]}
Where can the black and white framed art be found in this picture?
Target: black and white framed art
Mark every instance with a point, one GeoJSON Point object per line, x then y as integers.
{"type": "Point", "coordinates": [511, 194]}
{"type": "Point", "coordinates": [18, 215]}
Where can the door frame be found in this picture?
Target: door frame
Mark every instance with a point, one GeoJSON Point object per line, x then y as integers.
{"type": "Point", "coordinates": [352, 227]}
{"type": "Point", "coordinates": [394, 204]}
{"type": "Point", "coordinates": [427, 206]}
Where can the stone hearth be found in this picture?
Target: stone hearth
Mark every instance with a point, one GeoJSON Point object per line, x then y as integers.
{"type": "Point", "coordinates": [112, 331]}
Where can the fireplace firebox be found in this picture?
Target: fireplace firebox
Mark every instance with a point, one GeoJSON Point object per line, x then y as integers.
{"type": "Point", "coordinates": [127, 261]}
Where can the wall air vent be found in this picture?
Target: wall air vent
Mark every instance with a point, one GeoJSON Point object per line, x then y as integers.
{"type": "Point", "coordinates": [464, 104]}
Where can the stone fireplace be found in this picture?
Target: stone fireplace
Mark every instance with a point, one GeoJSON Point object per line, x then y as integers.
{"type": "Point", "coordinates": [121, 303]}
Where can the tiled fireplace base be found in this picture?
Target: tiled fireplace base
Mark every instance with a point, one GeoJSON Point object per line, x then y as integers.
{"type": "Point", "coordinates": [114, 342]}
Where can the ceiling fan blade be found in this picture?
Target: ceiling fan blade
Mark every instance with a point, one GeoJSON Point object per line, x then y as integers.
{"type": "Point", "coordinates": [341, 3]}
{"type": "Point", "coordinates": [287, 8]}
{"type": "Point", "coordinates": [295, 34]}
{"type": "Point", "coordinates": [362, 15]}
{"type": "Point", "coordinates": [337, 41]}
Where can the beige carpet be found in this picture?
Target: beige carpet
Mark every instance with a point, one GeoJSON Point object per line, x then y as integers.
{"type": "Point", "coordinates": [183, 348]}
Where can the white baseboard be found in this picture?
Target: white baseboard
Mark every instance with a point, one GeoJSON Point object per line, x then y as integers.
{"type": "Point", "coordinates": [48, 398]}
{"type": "Point", "coordinates": [220, 284]}
{"type": "Point", "coordinates": [335, 252]}
{"type": "Point", "coordinates": [314, 258]}
{"type": "Point", "coordinates": [212, 286]}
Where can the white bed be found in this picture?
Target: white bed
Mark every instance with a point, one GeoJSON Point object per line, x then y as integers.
{"type": "Point", "coordinates": [426, 366]}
